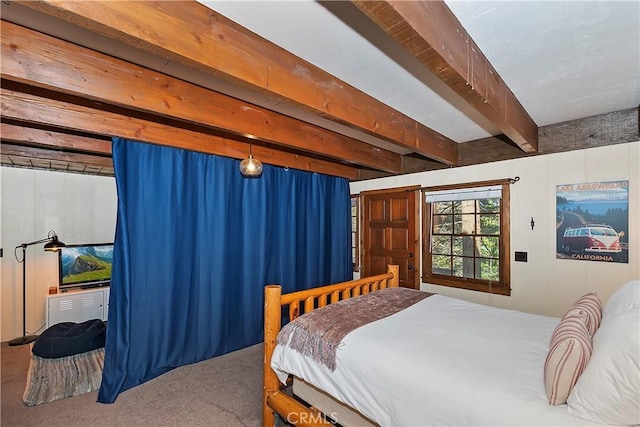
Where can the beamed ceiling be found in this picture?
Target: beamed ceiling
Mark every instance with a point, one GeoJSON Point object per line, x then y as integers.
{"type": "Point", "coordinates": [75, 74]}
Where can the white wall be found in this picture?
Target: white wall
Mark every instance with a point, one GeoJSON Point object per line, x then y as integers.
{"type": "Point", "coordinates": [80, 208]}
{"type": "Point", "coordinates": [544, 284]}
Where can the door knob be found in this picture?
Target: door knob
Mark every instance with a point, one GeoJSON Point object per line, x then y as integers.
{"type": "Point", "coordinates": [410, 267]}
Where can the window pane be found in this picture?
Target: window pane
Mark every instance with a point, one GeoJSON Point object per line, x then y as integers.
{"type": "Point", "coordinates": [441, 264]}
{"type": "Point", "coordinates": [457, 224]}
{"type": "Point", "coordinates": [465, 224]}
{"type": "Point", "coordinates": [489, 269]}
{"type": "Point", "coordinates": [463, 267]}
{"type": "Point", "coordinates": [464, 206]}
{"type": "Point", "coordinates": [488, 247]}
{"type": "Point", "coordinates": [441, 245]}
{"type": "Point", "coordinates": [489, 224]}
{"type": "Point", "coordinates": [354, 223]}
{"type": "Point", "coordinates": [489, 205]}
{"type": "Point", "coordinates": [442, 224]}
{"type": "Point", "coordinates": [353, 255]}
{"type": "Point", "coordinates": [442, 208]}
{"type": "Point", "coordinates": [457, 267]}
{"type": "Point", "coordinates": [468, 206]}
{"type": "Point", "coordinates": [463, 246]}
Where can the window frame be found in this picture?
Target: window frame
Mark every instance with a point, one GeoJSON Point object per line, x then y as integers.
{"type": "Point", "coordinates": [355, 261]}
{"type": "Point", "coordinates": [501, 286]}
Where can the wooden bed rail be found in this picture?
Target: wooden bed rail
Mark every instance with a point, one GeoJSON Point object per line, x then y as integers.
{"type": "Point", "coordinates": [274, 398]}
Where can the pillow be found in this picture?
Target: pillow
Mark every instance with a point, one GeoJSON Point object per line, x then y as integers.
{"type": "Point", "coordinates": [569, 352]}
{"type": "Point", "coordinates": [623, 299]}
{"type": "Point", "coordinates": [608, 391]}
{"type": "Point", "coordinates": [69, 338]}
{"type": "Point", "coordinates": [589, 308]}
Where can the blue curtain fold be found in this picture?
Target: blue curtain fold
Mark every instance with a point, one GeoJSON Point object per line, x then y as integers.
{"type": "Point", "coordinates": [196, 243]}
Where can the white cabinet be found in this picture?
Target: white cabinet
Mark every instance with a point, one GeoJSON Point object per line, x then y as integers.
{"type": "Point", "coordinates": [78, 306]}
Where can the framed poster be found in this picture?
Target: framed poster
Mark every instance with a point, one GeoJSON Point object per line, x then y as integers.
{"type": "Point", "coordinates": [592, 221]}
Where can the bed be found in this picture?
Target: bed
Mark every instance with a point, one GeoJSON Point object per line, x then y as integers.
{"type": "Point", "coordinates": [437, 361]}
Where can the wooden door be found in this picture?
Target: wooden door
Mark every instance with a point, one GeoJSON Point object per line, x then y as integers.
{"type": "Point", "coordinates": [389, 233]}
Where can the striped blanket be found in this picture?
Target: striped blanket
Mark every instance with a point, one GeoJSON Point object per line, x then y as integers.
{"type": "Point", "coordinates": [50, 379]}
{"type": "Point", "coordinates": [318, 334]}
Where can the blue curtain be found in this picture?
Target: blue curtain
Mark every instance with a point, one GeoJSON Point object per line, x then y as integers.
{"type": "Point", "coordinates": [196, 243]}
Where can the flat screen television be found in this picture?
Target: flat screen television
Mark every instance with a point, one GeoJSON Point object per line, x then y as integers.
{"type": "Point", "coordinates": [85, 266]}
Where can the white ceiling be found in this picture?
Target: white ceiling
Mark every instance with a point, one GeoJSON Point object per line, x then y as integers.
{"type": "Point", "coordinates": [563, 60]}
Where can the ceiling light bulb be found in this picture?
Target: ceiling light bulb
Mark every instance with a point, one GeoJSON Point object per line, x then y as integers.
{"type": "Point", "coordinates": [250, 167]}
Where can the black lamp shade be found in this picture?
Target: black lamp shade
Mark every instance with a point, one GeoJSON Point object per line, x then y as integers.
{"type": "Point", "coordinates": [54, 244]}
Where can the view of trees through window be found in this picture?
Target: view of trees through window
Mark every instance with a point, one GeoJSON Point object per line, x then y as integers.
{"type": "Point", "coordinates": [466, 239]}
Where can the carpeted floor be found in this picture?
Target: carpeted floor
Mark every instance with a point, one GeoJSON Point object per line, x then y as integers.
{"type": "Point", "coordinates": [223, 391]}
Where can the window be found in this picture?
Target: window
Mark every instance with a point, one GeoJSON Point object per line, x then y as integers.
{"type": "Point", "coordinates": [466, 237]}
{"type": "Point", "coordinates": [355, 232]}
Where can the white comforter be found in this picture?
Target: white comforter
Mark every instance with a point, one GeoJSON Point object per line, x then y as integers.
{"type": "Point", "coordinates": [442, 361]}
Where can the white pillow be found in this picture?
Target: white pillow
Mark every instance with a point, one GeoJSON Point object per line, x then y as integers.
{"type": "Point", "coordinates": [608, 391]}
{"type": "Point", "coordinates": [623, 299]}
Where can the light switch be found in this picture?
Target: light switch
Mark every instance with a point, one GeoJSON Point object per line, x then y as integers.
{"type": "Point", "coordinates": [521, 256]}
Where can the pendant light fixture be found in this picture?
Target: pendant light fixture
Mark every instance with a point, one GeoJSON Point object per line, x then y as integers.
{"type": "Point", "coordinates": [250, 167]}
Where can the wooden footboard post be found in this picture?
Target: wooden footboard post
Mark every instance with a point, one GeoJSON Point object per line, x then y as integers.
{"type": "Point", "coordinates": [272, 324]}
{"type": "Point", "coordinates": [395, 270]}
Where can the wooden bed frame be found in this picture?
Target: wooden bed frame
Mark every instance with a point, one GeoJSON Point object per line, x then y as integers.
{"type": "Point", "coordinates": [275, 400]}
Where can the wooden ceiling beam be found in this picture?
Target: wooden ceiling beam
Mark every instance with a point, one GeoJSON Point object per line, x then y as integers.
{"type": "Point", "coordinates": [409, 165]}
{"type": "Point", "coordinates": [32, 109]}
{"type": "Point", "coordinates": [39, 60]}
{"type": "Point", "coordinates": [24, 135]}
{"type": "Point", "coordinates": [433, 35]}
{"type": "Point", "coordinates": [617, 127]}
{"type": "Point", "coordinates": [194, 35]}
{"type": "Point", "coordinates": [43, 154]}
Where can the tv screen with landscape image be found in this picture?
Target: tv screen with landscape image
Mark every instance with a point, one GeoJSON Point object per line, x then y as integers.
{"type": "Point", "coordinates": [86, 265]}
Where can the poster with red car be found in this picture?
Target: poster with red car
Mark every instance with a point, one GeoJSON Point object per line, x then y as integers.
{"type": "Point", "coordinates": [592, 221]}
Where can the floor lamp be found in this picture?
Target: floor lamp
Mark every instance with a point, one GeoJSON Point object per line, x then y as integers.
{"type": "Point", "coordinates": [52, 244]}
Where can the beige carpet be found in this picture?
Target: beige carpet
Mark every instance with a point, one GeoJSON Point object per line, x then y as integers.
{"type": "Point", "coordinates": [223, 391]}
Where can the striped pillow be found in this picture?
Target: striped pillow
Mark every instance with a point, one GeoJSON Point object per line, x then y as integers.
{"type": "Point", "coordinates": [569, 352]}
{"type": "Point", "coordinates": [589, 308]}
